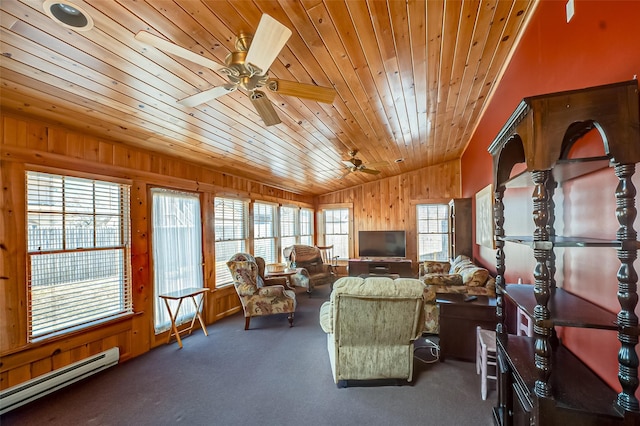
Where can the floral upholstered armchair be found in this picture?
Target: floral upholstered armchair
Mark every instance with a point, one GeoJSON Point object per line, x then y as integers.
{"type": "Point", "coordinates": [256, 298]}
{"type": "Point", "coordinates": [314, 271]}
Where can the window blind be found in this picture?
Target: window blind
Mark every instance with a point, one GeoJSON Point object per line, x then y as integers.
{"type": "Point", "coordinates": [264, 241]}
{"type": "Point", "coordinates": [78, 252]}
{"type": "Point", "coordinates": [231, 233]}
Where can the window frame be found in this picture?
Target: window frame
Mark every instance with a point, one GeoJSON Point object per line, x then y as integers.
{"type": "Point", "coordinates": [64, 192]}
{"type": "Point", "coordinates": [273, 226]}
{"type": "Point", "coordinates": [196, 280]}
{"type": "Point", "coordinates": [442, 255]}
{"type": "Point", "coordinates": [322, 211]}
{"type": "Point", "coordinates": [221, 269]}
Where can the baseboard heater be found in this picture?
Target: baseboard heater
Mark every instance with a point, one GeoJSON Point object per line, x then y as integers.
{"type": "Point", "coordinates": [30, 390]}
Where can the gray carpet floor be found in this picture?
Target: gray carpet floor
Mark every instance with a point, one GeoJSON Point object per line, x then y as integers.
{"type": "Point", "coordinates": [268, 375]}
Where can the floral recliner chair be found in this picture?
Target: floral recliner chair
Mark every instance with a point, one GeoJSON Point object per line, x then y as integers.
{"type": "Point", "coordinates": [256, 298]}
{"type": "Point", "coordinates": [314, 271]}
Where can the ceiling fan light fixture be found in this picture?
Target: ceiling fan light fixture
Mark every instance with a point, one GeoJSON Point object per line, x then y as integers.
{"type": "Point", "coordinates": [68, 15]}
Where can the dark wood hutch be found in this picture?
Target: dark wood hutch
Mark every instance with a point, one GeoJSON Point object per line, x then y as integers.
{"type": "Point", "coordinates": [539, 381]}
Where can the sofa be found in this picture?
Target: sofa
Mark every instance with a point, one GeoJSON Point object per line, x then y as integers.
{"type": "Point", "coordinates": [371, 324]}
{"type": "Point", "coordinates": [313, 270]}
{"type": "Point", "coordinates": [459, 276]}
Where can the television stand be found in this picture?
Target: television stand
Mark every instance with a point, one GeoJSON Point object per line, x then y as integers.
{"type": "Point", "coordinates": [400, 267]}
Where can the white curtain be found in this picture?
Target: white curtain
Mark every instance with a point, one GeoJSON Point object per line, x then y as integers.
{"type": "Point", "coordinates": [177, 251]}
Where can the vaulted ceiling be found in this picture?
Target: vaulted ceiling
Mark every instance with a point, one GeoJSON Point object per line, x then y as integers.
{"type": "Point", "coordinates": [411, 81]}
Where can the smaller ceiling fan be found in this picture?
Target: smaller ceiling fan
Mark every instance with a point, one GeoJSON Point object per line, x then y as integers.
{"type": "Point", "coordinates": [247, 69]}
{"type": "Point", "coordinates": [354, 164]}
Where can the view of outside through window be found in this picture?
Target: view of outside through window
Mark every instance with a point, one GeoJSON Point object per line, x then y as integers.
{"type": "Point", "coordinates": [433, 232]}
{"type": "Point", "coordinates": [78, 251]}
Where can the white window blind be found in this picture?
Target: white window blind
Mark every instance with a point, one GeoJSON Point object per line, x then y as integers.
{"type": "Point", "coordinates": [336, 231]}
{"type": "Point", "coordinates": [264, 238]}
{"type": "Point", "coordinates": [231, 233]}
{"type": "Point", "coordinates": [78, 252]}
{"type": "Point", "coordinates": [177, 251]}
{"type": "Point", "coordinates": [306, 227]}
{"type": "Point", "coordinates": [288, 226]}
{"type": "Point", "coordinates": [433, 231]}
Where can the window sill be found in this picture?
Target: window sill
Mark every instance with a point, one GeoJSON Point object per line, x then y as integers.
{"type": "Point", "coordinates": [71, 332]}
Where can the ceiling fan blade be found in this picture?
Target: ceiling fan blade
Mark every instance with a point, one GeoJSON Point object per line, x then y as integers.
{"type": "Point", "coordinates": [166, 46]}
{"type": "Point", "coordinates": [347, 163]}
{"type": "Point", "coordinates": [264, 108]}
{"type": "Point", "coordinates": [207, 95]}
{"type": "Point", "coordinates": [370, 171]}
{"type": "Point", "coordinates": [344, 175]}
{"type": "Point", "coordinates": [302, 90]}
{"type": "Point", "coordinates": [268, 41]}
{"type": "Point", "coordinates": [378, 164]}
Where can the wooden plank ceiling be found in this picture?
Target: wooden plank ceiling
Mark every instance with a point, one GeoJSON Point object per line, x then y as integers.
{"type": "Point", "coordinates": [411, 77]}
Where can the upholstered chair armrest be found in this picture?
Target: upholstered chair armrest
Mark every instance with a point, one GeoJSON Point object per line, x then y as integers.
{"type": "Point", "coordinates": [270, 291]}
{"type": "Point", "coordinates": [326, 317]}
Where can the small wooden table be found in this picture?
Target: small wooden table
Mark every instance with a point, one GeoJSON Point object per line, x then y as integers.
{"type": "Point", "coordinates": [180, 295]}
{"type": "Point", "coordinates": [287, 273]}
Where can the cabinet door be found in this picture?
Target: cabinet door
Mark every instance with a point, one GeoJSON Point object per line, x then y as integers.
{"type": "Point", "coordinates": [460, 228]}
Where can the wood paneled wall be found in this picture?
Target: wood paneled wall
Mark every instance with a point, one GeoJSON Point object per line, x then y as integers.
{"type": "Point", "coordinates": [27, 143]}
{"type": "Point", "coordinates": [390, 204]}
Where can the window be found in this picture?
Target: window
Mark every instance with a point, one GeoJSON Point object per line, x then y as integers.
{"type": "Point", "coordinates": [288, 226]}
{"type": "Point", "coordinates": [306, 227]}
{"type": "Point", "coordinates": [336, 231]}
{"type": "Point", "coordinates": [264, 232]}
{"type": "Point", "coordinates": [177, 250]}
{"type": "Point", "coordinates": [231, 234]}
{"type": "Point", "coordinates": [78, 252]}
{"type": "Point", "coordinates": [433, 232]}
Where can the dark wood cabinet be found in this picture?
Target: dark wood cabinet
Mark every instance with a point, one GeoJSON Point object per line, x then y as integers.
{"type": "Point", "coordinates": [460, 228]}
{"type": "Point", "coordinates": [458, 321]}
{"type": "Point", "coordinates": [540, 382]}
{"type": "Point", "coordinates": [401, 268]}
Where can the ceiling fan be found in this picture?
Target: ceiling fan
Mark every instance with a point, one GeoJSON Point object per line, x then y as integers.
{"type": "Point", "coordinates": [247, 69]}
{"type": "Point", "coordinates": [354, 164]}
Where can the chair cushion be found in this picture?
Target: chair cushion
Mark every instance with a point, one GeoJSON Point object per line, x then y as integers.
{"type": "Point", "coordinates": [378, 286]}
{"type": "Point", "coordinates": [435, 267]}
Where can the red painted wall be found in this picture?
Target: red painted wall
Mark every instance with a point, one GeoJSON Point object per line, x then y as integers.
{"type": "Point", "coordinates": [600, 45]}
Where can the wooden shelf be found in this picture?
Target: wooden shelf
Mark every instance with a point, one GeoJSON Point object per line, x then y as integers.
{"type": "Point", "coordinates": [575, 387]}
{"type": "Point", "coordinates": [559, 241]}
{"type": "Point", "coordinates": [563, 171]}
{"type": "Point", "coordinates": [566, 309]}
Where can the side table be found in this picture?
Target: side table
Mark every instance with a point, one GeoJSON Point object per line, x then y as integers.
{"type": "Point", "coordinates": [287, 273]}
{"type": "Point", "coordinates": [458, 322]}
{"type": "Point", "coordinates": [180, 295]}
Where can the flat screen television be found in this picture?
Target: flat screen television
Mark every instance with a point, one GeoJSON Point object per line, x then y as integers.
{"type": "Point", "coordinates": [382, 244]}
